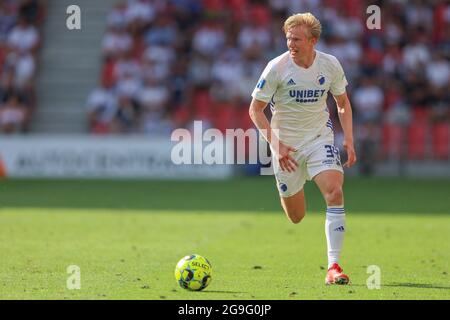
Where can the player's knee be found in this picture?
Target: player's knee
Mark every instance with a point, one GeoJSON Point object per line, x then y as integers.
{"type": "Point", "coordinates": [296, 220]}
{"type": "Point", "coordinates": [295, 215]}
{"type": "Point", "coordinates": [334, 196]}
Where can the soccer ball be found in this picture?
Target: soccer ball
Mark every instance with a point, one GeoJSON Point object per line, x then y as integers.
{"type": "Point", "coordinates": [193, 272]}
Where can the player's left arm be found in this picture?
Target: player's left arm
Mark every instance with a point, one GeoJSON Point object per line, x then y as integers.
{"type": "Point", "coordinates": [345, 118]}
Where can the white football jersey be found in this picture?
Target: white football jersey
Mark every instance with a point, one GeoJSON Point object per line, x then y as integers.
{"type": "Point", "coordinates": [297, 96]}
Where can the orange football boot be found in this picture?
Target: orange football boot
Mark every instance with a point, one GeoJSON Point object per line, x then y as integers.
{"type": "Point", "coordinates": [335, 275]}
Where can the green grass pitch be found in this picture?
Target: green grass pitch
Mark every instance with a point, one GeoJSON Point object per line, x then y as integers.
{"type": "Point", "coordinates": [127, 236]}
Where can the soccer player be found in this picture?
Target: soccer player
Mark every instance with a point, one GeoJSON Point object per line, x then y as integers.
{"type": "Point", "coordinates": [295, 85]}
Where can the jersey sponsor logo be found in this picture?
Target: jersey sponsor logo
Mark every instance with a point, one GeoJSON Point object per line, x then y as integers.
{"type": "Point", "coordinates": [261, 83]}
{"type": "Point", "coordinates": [320, 79]}
{"type": "Point", "coordinates": [291, 82]}
{"type": "Point", "coordinates": [304, 96]}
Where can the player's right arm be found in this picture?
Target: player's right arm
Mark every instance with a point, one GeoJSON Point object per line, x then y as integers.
{"type": "Point", "coordinates": [262, 94]}
{"type": "Point", "coordinates": [282, 151]}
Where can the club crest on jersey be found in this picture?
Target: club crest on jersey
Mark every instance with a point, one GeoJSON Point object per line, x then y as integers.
{"type": "Point", "coordinates": [320, 79]}
{"type": "Point", "coordinates": [283, 187]}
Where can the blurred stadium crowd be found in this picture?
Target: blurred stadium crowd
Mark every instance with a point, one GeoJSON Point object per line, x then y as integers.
{"type": "Point", "coordinates": [167, 63]}
{"type": "Point", "coordinates": [20, 39]}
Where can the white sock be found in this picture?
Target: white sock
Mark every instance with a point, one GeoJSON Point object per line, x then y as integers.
{"type": "Point", "coordinates": [334, 230]}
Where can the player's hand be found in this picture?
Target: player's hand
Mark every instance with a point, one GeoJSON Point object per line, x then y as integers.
{"type": "Point", "coordinates": [286, 161]}
{"type": "Point", "coordinates": [351, 154]}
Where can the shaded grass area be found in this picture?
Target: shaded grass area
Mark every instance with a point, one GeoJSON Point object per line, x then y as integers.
{"type": "Point", "coordinates": [379, 195]}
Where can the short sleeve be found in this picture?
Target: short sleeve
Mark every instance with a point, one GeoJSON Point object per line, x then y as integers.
{"type": "Point", "coordinates": [339, 81]}
{"type": "Point", "coordinates": [267, 84]}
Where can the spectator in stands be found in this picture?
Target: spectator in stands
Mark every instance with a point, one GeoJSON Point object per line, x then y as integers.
{"type": "Point", "coordinates": [368, 102]}
{"type": "Point", "coordinates": [128, 114]}
{"type": "Point", "coordinates": [139, 14]}
{"type": "Point", "coordinates": [254, 35]}
{"type": "Point", "coordinates": [22, 66]}
{"type": "Point", "coordinates": [398, 111]}
{"type": "Point", "coordinates": [157, 61]}
{"type": "Point", "coordinates": [101, 107]}
{"type": "Point", "coordinates": [12, 115]}
{"type": "Point", "coordinates": [24, 37]}
{"type": "Point", "coordinates": [117, 41]}
{"type": "Point", "coordinates": [438, 71]}
{"type": "Point", "coordinates": [7, 20]}
{"type": "Point", "coordinates": [164, 32]}
{"type": "Point", "coordinates": [30, 10]}
{"type": "Point", "coordinates": [209, 39]}
{"type": "Point", "coordinates": [416, 54]}
{"type": "Point", "coordinates": [153, 96]}
{"type": "Point", "coordinates": [127, 67]}
{"type": "Point", "coordinates": [157, 124]}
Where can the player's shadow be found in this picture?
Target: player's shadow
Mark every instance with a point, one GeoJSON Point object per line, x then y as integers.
{"type": "Point", "coordinates": [417, 285]}
{"type": "Point", "coordinates": [408, 285]}
{"type": "Point", "coordinates": [220, 291]}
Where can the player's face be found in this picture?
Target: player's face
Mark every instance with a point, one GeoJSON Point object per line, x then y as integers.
{"type": "Point", "coordinates": [298, 41]}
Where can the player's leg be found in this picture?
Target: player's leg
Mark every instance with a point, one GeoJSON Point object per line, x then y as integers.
{"type": "Point", "coordinates": [330, 184]}
{"type": "Point", "coordinates": [290, 187]}
{"type": "Point", "coordinates": [294, 206]}
{"type": "Point", "coordinates": [324, 167]}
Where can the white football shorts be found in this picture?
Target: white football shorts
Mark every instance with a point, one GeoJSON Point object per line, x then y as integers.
{"type": "Point", "coordinates": [316, 156]}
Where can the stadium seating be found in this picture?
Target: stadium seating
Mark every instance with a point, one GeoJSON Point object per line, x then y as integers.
{"type": "Point", "coordinates": [417, 140]}
{"type": "Point", "coordinates": [393, 141]}
{"type": "Point", "coordinates": [441, 141]}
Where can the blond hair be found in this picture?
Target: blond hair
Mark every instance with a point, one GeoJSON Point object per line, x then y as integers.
{"type": "Point", "coordinates": [304, 19]}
